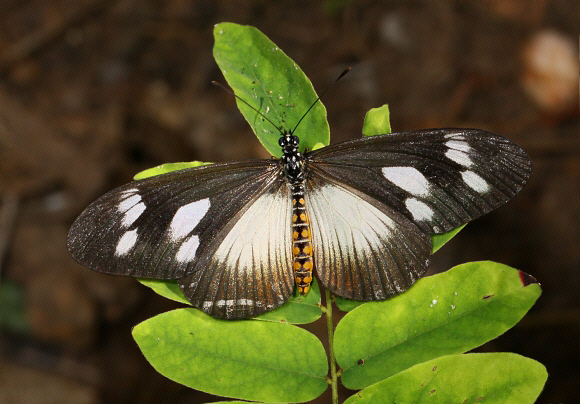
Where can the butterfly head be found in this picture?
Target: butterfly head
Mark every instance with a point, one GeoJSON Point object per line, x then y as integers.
{"type": "Point", "coordinates": [292, 159]}
{"type": "Point", "coordinates": [289, 142]}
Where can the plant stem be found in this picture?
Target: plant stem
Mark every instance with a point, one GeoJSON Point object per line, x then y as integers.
{"type": "Point", "coordinates": [330, 326]}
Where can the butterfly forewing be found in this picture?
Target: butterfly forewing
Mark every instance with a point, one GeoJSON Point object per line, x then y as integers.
{"type": "Point", "coordinates": [438, 178]}
{"type": "Point", "coordinates": [363, 249]}
{"type": "Point", "coordinates": [157, 227]}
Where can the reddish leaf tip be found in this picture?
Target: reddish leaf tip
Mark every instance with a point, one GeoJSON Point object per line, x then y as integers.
{"type": "Point", "coordinates": [527, 279]}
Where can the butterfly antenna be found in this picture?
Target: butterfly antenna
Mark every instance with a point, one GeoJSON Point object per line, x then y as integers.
{"type": "Point", "coordinates": [320, 96]}
{"type": "Point", "coordinates": [227, 90]}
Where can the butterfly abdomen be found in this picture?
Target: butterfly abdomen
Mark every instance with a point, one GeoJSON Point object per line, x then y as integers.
{"type": "Point", "coordinates": [302, 241]}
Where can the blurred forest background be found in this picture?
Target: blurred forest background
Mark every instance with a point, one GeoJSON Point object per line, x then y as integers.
{"type": "Point", "coordinates": [93, 91]}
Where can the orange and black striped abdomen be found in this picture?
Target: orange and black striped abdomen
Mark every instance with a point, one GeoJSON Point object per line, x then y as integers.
{"type": "Point", "coordinates": [302, 241]}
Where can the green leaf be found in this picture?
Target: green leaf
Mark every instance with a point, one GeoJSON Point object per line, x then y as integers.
{"type": "Point", "coordinates": [501, 378]}
{"type": "Point", "coordinates": [443, 314]}
{"type": "Point", "coordinates": [262, 75]}
{"type": "Point", "coordinates": [248, 360]}
{"type": "Point", "coordinates": [167, 289]}
{"type": "Point", "coordinates": [298, 309]}
{"type": "Point", "coordinates": [439, 240]}
{"type": "Point", "coordinates": [166, 168]}
{"type": "Point", "coordinates": [318, 146]}
{"type": "Point", "coordinates": [377, 121]}
{"type": "Point", "coordinates": [347, 304]}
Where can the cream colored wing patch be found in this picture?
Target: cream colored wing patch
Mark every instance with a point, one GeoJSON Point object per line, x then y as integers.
{"type": "Point", "coordinates": [363, 250]}
{"type": "Point", "coordinates": [250, 271]}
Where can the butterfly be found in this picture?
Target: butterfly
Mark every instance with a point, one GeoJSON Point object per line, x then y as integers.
{"type": "Point", "coordinates": [238, 236]}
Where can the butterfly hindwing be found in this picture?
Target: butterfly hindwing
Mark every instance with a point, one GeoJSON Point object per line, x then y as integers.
{"type": "Point", "coordinates": [363, 249]}
{"type": "Point", "coordinates": [247, 269]}
{"type": "Point", "coordinates": [439, 178]}
{"type": "Point", "coordinates": [180, 223]}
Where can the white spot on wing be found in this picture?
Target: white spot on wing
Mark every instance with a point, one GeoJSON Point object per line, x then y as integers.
{"type": "Point", "coordinates": [408, 178]}
{"type": "Point", "coordinates": [419, 210]}
{"type": "Point", "coordinates": [128, 203]}
{"type": "Point", "coordinates": [474, 181]}
{"type": "Point", "coordinates": [245, 302]}
{"type": "Point", "coordinates": [133, 214]}
{"type": "Point", "coordinates": [221, 303]}
{"type": "Point", "coordinates": [126, 242]}
{"type": "Point", "coordinates": [458, 145]}
{"type": "Point", "coordinates": [232, 302]}
{"type": "Point", "coordinates": [458, 152]}
{"type": "Point", "coordinates": [187, 217]}
{"type": "Point", "coordinates": [455, 136]}
{"type": "Point", "coordinates": [459, 157]}
{"type": "Point", "coordinates": [188, 249]}
{"type": "Point", "coordinates": [129, 192]}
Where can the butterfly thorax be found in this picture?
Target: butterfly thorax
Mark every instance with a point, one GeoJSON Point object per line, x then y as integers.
{"type": "Point", "coordinates": [293, 163]}
{"type": "Point", "coordinates": [292, 159]}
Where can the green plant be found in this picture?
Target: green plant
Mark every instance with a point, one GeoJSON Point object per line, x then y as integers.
{"type": "Point", "coordinates": [406, 349]}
